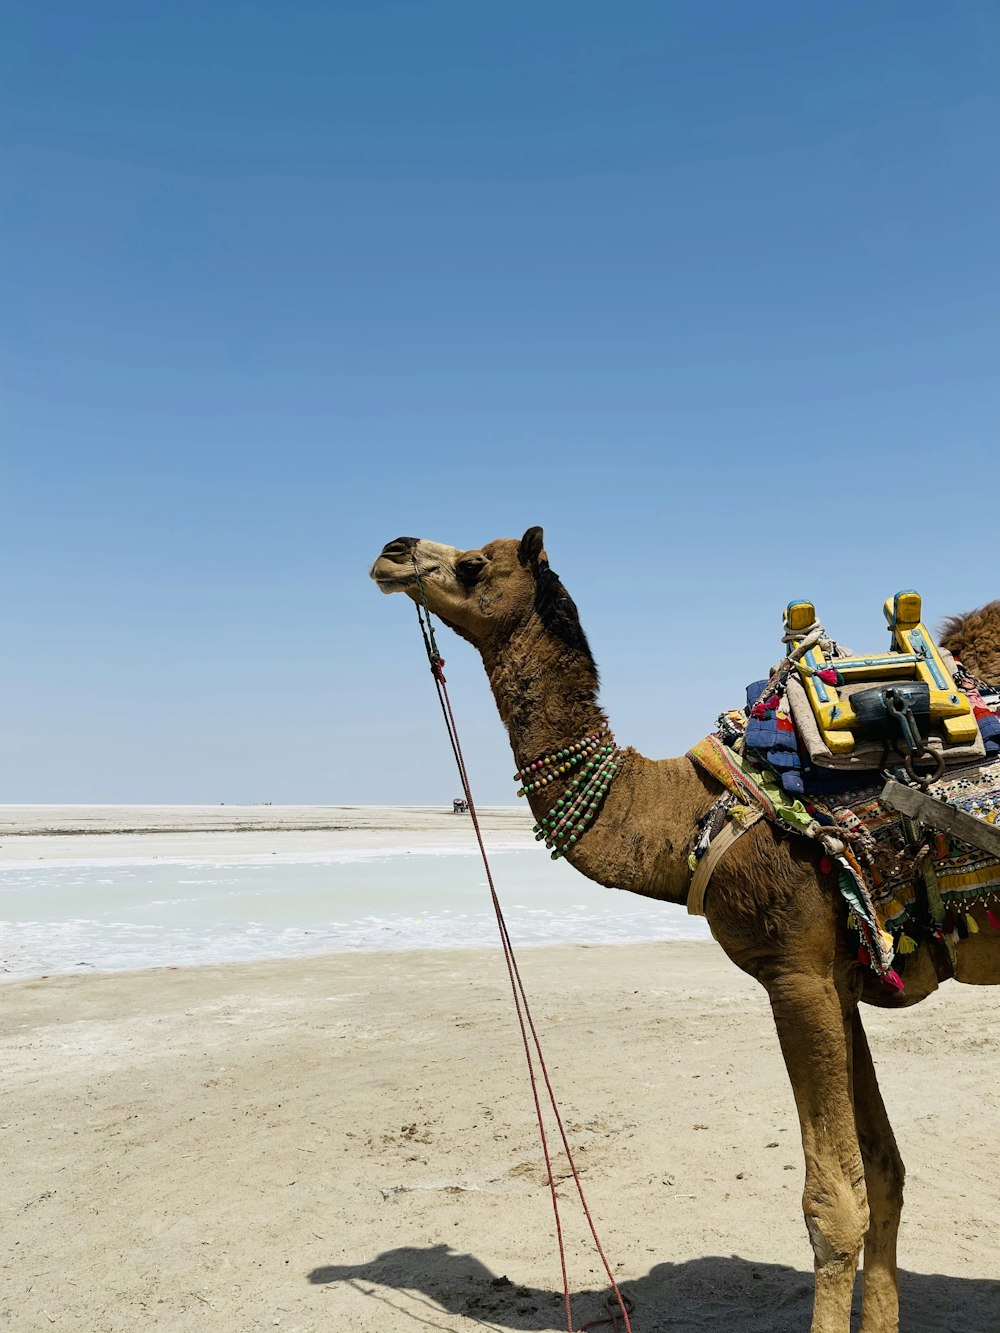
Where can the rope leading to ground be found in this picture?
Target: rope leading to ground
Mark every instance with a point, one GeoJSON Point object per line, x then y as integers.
{"type": "Point", "coordinates": [524, 1018]}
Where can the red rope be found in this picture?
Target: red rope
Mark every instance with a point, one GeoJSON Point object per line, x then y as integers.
{"type": "Point", "coordinates": [524, 1018]}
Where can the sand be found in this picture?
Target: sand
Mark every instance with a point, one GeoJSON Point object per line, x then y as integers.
{"type": "Point", "coordinates": [347, 1143]}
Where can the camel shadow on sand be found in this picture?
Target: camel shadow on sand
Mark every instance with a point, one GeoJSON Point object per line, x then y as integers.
{"type": "Point", "coordinates": [708, 1295]}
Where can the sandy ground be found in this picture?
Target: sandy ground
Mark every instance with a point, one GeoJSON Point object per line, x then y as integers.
{"type": "Point", "coordinates": [348, 1144]}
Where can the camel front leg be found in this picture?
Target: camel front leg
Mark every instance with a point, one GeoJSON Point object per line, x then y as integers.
{"type": "Point", "coordinates": [884, 1181]}
{"type": "Point", "coordinates": [814, 1033]}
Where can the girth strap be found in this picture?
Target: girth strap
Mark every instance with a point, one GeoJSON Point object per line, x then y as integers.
{"type": "Point", "coordinates": [730, 833]}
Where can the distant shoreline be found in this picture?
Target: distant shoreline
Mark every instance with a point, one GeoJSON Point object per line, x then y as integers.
{"type": "Point", "coordinates": [30, 834]}
{"type": "Point", "coordinates": [76, 820]}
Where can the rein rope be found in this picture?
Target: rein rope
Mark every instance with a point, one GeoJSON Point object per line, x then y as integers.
{"type": "Point", "coordinates": [524, 1018]}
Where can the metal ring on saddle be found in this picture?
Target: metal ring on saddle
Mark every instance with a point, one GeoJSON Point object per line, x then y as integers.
{"type": "Point", "coordinates": [924, 780]}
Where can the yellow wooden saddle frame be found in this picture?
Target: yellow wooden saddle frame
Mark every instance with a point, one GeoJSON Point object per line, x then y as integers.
{"type": "Point", "coordinates": [913, 656]}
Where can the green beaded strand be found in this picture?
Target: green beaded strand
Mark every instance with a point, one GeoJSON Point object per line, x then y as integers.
{"type": "Point", "coordinates": [573, 794]}
{"type": "Point", "coordinates": [588, 767]}
{"type": "Point", "coordinates": [578, 819]}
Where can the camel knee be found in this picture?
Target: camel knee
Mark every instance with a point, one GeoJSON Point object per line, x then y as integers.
{"type": "Point", "coordinates": [837, 1225]}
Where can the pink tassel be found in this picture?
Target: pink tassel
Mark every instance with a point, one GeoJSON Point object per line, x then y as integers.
{"type": "Point", "coordinates": [773, 702]}
{"type": "Point", "coordinates": [893, 981]}
{"type": "Point", "coordinates": [993, 919]}
{"type": "Point", "coordinates": [828, 675]}
{"type": "Point", "coordinates": [759, 711]}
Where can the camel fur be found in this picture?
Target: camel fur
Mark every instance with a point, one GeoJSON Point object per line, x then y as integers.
{"type": "Point", "coordinates": [771, 908]}
{"type": "Point", "coordinates": [974, 638]}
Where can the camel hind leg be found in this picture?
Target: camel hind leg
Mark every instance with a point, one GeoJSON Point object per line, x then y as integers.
{"type": "Point", "coordinates": [814, 1029]}
{"type": "Point", "coordinates": [884, 1180]}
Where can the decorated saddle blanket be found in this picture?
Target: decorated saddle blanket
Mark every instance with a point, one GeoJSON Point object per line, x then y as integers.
{"type": "Point", "coordinates": [901, 880]}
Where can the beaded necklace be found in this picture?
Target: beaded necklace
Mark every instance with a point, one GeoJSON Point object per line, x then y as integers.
{"type": "Point", "coordinates": [597, 758]}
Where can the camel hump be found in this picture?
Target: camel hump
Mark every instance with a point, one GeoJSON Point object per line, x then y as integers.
{"type": "Point", "coordinates": [974, 638]}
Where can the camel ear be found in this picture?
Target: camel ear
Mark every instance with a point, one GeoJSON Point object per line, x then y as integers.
{"type": "Point", "coordinates": [530, 552]}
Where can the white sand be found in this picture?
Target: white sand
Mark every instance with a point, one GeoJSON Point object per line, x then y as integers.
{"type": "Point", "coordinates": [347, 1143]}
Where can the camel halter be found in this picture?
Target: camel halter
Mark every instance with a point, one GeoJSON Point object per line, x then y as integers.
{"type": "Point", "coordinates": [524, 1018]}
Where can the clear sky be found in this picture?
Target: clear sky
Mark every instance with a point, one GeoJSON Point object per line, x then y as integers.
{"type": "Point", "coordinates": [709, 290]}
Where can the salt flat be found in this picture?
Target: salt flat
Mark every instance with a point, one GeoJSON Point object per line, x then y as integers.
{"type": "Point", "coordinates": [85, 834]}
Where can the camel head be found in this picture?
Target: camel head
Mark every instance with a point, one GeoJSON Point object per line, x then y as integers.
{"type": "Point", "coordinates": [486, 594]}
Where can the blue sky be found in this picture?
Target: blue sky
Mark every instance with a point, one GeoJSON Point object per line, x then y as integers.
{"type": "Point", "coordinates": [708, 290]}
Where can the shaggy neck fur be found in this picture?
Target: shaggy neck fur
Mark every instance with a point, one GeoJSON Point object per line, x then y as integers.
{"type": "Point", "coordinates": [547, 696]}
{"type": "Point", "coordinates": [974, 638]}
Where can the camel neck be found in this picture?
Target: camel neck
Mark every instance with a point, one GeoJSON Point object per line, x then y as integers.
{"type": "Point", "coordinates": [640, 840]}
{"type": "Point", "coordinates": [546, 694]}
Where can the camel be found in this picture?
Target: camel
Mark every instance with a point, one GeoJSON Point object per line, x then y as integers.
{"type": "Point", "coordinates": [771, 907]}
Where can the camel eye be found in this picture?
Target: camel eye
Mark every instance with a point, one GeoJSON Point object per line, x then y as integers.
{"type": "Point", "coordinates": [469, 568]}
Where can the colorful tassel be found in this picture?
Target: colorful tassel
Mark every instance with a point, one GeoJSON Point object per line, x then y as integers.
{"type": "Point", "coordinates": [906, 945]}
{"type": "Point", "coordinates": [892, 980]}
{"type": "Point", "coordinates": [864, 957]}
{"type": "Point", "coordinates": [993, 919]}
{"type": "Point", "coordinates": [970, 924]}
{"type": "Point", "coordinates": [825, 865]}
{"type": "Point", "coordinates": [828, 675]}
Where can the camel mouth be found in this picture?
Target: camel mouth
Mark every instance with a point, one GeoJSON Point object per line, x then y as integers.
{"type": "Point", "coordinates": [391, 578]}
{"type": "Point", "coordinates": [406, 562]}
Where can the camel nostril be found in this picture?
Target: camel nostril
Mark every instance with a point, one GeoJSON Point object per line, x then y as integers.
{"type": "Point", "coordinates": [401, 548]}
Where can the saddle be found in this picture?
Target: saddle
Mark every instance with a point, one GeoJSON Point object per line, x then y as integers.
{"type": "Point", "coordinates": [828, 721]}
{"type": "Point", "coordinates": [861, 712]}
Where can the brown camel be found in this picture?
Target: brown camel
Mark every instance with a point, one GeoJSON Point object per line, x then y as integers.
{"type": "Point", "coordinates": [775, 913]}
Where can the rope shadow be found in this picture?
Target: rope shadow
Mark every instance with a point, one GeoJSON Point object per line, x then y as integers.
{"type": "Point", "coordinates": [713, 1294]}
